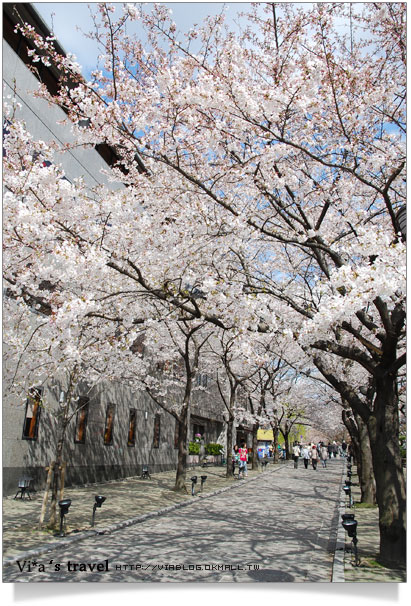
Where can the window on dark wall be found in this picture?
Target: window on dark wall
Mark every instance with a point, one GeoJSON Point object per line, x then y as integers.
{"type": "Point", "coordinates": [156, 437]}
{"type": "Point", "coordinates": [32, 414]}
{"type": "Point", "coordinates": [108, 429]}
{"type": "Point", "coordinates": [81, 420]}
{"type": "Point", "coordinates": [202, 380]}
{"type": "Point", "coordinates": [131, 441]}
{"type": "Point", "coordinates": [176, 435]}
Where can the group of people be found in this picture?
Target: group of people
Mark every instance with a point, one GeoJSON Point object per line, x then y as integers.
{"type": "Point", "coordinates": [317, 452]}
{"type": "Point", "coordinates": [308, 452]}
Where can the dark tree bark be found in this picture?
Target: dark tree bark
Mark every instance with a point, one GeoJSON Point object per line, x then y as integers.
{"type": "Point", "coordinates": [230, 446]}
{"type": "Point", "coordinates": [382, 419]}
{"type": "Point", "coordinates": [254, 458]}
{"type": "Point", "coordinates": [383, 428]}
{"type": "Point", "coordinates": [180, 483]}
{"type": "Point", "coordinates": [275, 443]}
{"type": "Point", "coordinates": [361, 445]}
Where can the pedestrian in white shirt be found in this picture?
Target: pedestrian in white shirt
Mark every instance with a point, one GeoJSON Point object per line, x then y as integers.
{"type": "Point", "coordinates": [296, 454]}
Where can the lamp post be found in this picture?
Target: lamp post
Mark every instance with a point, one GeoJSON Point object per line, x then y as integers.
{"type": "Point", "coordinates": [193, 483]}
{"type": "Point", "coordinates": [99, 501]}
{"type": "Point", "coordinates": [203, 479]}
{"type": "Point", "coordinates": [64, 507]}
{"type": "Point", "coordinates": [347, 490]}
{"type": "Point", "coordinates": [350, 526]}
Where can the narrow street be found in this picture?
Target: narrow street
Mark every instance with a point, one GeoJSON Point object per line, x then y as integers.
{"type": "Point", "coordinates": [279, 527]}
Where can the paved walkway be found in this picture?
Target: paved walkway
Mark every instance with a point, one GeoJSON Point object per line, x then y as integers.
{"type": "Point", "coordinates": [277, 526]}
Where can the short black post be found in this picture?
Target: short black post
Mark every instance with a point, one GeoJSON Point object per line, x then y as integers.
{"type": "Point", "coordinates": [193, 483]}
{"type": "Point", "coordinates": [99, 501]}
{"type": "Point", "coordinates": [64, 507]}
{"type": "Point", "coordinates": [350, 525]}
{"type": "Point", "coordinates": [347, 490]}
{"type": "Point", "coordinates": [203, 479]}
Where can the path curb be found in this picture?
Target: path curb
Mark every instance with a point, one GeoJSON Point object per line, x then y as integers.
{"type": "Point", "coordinates": [338, 573]}
{"type": "Point", "coordinates": [125, 523]}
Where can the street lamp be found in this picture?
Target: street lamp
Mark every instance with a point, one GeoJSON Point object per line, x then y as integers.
{"type": "Point", "coordinates": [203, 479]}
{"type": "Point", "coordinates": [350, 526]}
{"type": "Point", "coordinates": [193, 483]}
{"type": "Point", "coordinates": [99, 501]}
{"type": "Point", "coordinates": [347, 490]}
{"type": "Point", "coordinates": [145, 472]}
{"type": "Point", "coordinates": [64, 507]}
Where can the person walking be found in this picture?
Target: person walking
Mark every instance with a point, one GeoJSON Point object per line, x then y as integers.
{"type": "Point", "coordinates": [344, 448]}
{"type": "Point", "coordinates": [314, 456]}
{"type": "Point", "coordinates": [305, 453]}
{"type": "Point", "coordinates": [235, 457]}
{"type": "Point", "coordinates": [323, 454]}
{"type": "Point", "coordinates": [243, 459]}
{"type": "Point", "coordinates": [296, 454]}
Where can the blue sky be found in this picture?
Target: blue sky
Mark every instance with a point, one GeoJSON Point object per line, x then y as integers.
{"type": "Point", "coordinates": [64, 18]}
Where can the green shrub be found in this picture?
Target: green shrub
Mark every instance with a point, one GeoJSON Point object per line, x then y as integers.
{"type": "Point", "coordinates": [213, 449]}
{"type": "Point", "coordinates": [193, 448]}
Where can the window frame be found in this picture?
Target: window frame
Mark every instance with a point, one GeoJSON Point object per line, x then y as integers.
{"type": "Point", "coordinates": [109, 424]}
{"type": "Point", "coordinates": [33, 399]}
{"type": "Point", "coordinates": [81, 419]}
{"type": "Point", "coordinates": [157, 431]}
{"type": "Point", "coordinates": [132, 426]}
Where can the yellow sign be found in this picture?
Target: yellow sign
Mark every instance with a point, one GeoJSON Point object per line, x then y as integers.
{"type": "Point", "coordinates": [265, 435]}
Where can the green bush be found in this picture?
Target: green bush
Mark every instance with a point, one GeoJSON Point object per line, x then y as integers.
{"type": "Point", "coordinates": [213, 449]}
{"type": "Point", "coordinates": [193, 448]}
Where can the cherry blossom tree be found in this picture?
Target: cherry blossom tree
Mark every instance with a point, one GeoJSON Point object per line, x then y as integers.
{"type": "Point", "coordinates": [265, 170]}
{"type": "Point", "coordinates": [169, 364]}
{"type": "Point", "coordinates": [43, 349]}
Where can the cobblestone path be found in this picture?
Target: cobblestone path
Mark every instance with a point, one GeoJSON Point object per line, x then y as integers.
{"type": "Point", "coordinates": [279, 527]}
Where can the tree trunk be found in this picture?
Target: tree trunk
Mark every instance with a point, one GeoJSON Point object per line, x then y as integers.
{"type": "Point", "coordinates": [275, 444]}
{"type": "Point", "coordinates": [383, 428]}
{"type": "Point", "coordinates": [49, 470]}
{"type": "Point", "coordinates": [230, 446]}
{"type": "Point", "coordinates": [287, 446]}
{"type": "Point", "coordinates": [365, 468]}
{"type": "Point", "coordinates": [360, 444]}
{"type": "Point", "coordinates": [254, 459]}
{"type": "Point", "coordinates": [180, 485]}
{"type": "Point", "coordinates": [57, 469]}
